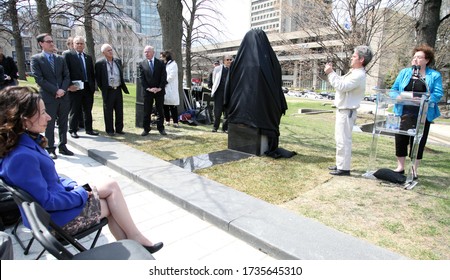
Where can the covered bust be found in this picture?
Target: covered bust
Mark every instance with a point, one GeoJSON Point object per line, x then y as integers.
{"type": "Point", "coordinates": [253, 93]}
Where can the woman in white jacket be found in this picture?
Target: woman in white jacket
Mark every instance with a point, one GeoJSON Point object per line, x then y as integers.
{"type": "Point", "coordinates": [172, 97]}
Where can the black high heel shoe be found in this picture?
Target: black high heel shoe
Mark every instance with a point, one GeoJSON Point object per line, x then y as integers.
{"type": "Point", "coordinates": [155, 248]}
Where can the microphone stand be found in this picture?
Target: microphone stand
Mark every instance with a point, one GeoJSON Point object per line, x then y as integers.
{"type": "Point", "coordinates": [410, 181]}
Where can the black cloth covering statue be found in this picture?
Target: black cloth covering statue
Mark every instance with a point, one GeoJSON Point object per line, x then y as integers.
{"type": "Point", "coordinates": [253, 93]}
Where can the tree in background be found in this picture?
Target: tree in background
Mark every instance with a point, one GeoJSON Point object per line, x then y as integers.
{"type": "Point", "coordinates": [201, 19]}
{"type": "Point", "coordinates": [171, 15]}
{"type": "Point", "coordinates": [43, 17]}
{"type": "Point", "coordinates": [379, 24]}
{"type": "Point", "coordinates": [11, 15]}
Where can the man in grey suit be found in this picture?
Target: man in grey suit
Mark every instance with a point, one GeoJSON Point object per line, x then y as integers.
{"type": "Point", "coordinates": [52, 75]}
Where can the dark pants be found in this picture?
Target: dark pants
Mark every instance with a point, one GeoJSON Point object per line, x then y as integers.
{"type": "Point", "coordinates": [149, 98]}
{"type": "Point", "coordinates": [81, 101]}
{"type": "Point", "coordinates": [59, 109]}
{"type": "Point", "coordinates": [219, 110]}
{"type": "Point", "coordinates": [113, 104]}
{"type": "Point", "coordinates": [402, 142]}
{"type": "Point", "coordinates": [171, 111]}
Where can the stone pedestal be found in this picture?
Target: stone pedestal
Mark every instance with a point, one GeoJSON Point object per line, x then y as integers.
{"type": "Point", "coordinates": [246, 139]}
{"type": "Point", "coordinates": [139, 120]}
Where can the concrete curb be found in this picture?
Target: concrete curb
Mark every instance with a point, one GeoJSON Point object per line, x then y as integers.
{"type": "Point", "coordinates": [274, 230]}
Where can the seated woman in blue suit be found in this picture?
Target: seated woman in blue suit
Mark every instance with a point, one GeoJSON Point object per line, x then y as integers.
{"type": "Point", "coordinates": [25, 163]}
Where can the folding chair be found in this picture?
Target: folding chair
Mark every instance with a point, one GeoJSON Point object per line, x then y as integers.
{"type": "Point", "coordinates": [40, 223]}
{"type": "Point", "coordinates": [21, 196]}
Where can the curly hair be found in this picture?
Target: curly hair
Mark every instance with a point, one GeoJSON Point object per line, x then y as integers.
{"type": "Point", "coordinates": [427, 50]}
{"type": "Point", "coordinates": [16, 104]}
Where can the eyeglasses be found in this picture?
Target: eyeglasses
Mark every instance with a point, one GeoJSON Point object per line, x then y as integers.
{"type": "Point", "coordinates": [48, 41]}
{"type": "Point", "coordinates": [228, 59]}
{"type": "Point", "coordinates": [418, 57]}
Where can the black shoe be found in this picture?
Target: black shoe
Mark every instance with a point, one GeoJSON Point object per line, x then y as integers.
{"type": "Point", "coordinates": [400, 172]}
{"type": "Point", "coordinates": [74, 134]}
{"type": "Point", "coordinates": [214, 130]}
{"type": "Point", "coordinates": [163, 132]}
{"type": "Point", "coordinates": [120, 132]}
{"type": "Point", "coordinates": [334, 167]}
{"type": "Point", "coordinates": [339, 172]}
{"type": "Point", "coordinates": [53, 155]}
{"type": "Point", "coordinates": [155, 248]}
{"type": "Point", "coordinates": [110, 134]}
{"type": "Point", "coordinates": [92, 133]}
{"type": "Point", "coordinates": [144, 133]}
{"type": "Point", "coordinates": [64, 151]}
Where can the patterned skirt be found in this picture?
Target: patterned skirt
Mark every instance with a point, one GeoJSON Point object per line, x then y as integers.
{"type": "Point", "coordinates": [89, 216]}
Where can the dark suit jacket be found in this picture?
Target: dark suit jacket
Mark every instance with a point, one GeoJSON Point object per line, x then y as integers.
{"type": "Point", "coordinates": [101, 75]}
{"type": "Point", "coordinates": [75, 70]}
{"type": "Point", "coordinates": [49, 82]}
{"type": "Point", "coordinates": [159, 77]}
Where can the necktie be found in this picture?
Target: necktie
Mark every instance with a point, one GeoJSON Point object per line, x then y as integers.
{"type": "Point", "coordinates": [51, 59]}
{"type": "Point", "coordinates": [82, 67]}
{"type": "Point", "coordinates": [151, 66]}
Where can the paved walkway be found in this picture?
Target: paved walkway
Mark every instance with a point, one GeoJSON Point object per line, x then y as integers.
{"type": "Point", "coordinates": [186, 237]}
{"type": "Point", "coordinates": [200, 219]}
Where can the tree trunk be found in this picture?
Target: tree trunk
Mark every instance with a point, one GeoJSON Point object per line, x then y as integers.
{"type": "Point", "coordinates": [43, 17]}
{"type": "Point", "coordinates": [428, 23]}
{"type": "Point", "coordinates": [90, 44]}
{"type": "Point", "coordinates": [170, 13]}
{"type": "Point", "coordinates": [12, 10]}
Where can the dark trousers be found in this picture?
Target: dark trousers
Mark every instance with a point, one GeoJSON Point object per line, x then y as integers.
{"type": "Point", "coordinates": [402, 142]}
{"type": "Point", "coordinates": [113, 104]}
{"type": "Point", "coordinates": [59, 109]}
{"type": "Point", "coordinates": [149, 99]}
{"type": "Point", "coordinates": [219, 110]}
{"type": "Point", "coordinates": [81, 101]}
{"type": "Point", "coordinates": [171, 111]}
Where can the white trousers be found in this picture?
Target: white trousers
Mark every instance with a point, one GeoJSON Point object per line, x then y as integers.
{"type": "Point", "coordinates": [345, 119]}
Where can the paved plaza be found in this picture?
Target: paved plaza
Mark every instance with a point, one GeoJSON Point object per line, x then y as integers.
{"type": "Point", "coordinates": [185, 236]}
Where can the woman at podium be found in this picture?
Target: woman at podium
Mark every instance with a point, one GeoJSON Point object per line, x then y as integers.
{"type": "Point", "coordinates": [417, 78]}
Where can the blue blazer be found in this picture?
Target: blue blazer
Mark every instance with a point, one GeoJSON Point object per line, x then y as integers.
{"type": "Point", "coordinates": [29, 167]}
{"type": "Point", "coordinates": [434, 81]}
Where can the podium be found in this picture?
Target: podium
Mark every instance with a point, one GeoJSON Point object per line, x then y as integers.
{"type": "Point", "coordinates": [385, 122]}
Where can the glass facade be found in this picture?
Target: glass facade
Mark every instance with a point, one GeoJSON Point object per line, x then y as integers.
{"type": "Point", "coordinates": [150, 24]}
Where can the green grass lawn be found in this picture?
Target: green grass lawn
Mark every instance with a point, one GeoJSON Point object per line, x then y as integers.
{"type": "Point", "coordinates": [414, 223]}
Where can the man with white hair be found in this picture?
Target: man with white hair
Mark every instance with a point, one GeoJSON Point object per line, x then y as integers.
{"type": "Point", "coordinates": [109, 76]}
{"type": "Point", "coordinates": [81, 69]}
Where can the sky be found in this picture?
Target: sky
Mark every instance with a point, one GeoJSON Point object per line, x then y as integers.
{"type": "Point", "coordinates": [237, 18]}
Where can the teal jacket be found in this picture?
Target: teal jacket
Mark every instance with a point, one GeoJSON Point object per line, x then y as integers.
{"type": "Point", "coordinates": [29, 167]}
{"type": "Point", "coordinates": [434, 81]}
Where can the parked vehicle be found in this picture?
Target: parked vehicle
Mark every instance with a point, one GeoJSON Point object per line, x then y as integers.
{"type": "Point", "coordinates": [372, 97]}
{"type": "Point", "coordinates": [313, 95]}
{"type": "Point", "coordinates": [285, 90]}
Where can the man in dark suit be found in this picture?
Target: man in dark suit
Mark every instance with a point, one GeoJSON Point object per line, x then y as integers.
{"type": "Point", "coordinates": [109, 76]}
{"type": "Point", "coordinates": [219, 79]}
{"type": "Point", "coordinates": [52, 75]}
{"type": "Point", "coordinates": [153, 76]}
{"type": "Point", "coordinates": [81, 91]}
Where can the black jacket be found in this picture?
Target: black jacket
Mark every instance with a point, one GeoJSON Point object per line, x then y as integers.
{"type": "Point", "coordinates": [101, 76]}
{"type": "Point", "coordinates": [75, 71]}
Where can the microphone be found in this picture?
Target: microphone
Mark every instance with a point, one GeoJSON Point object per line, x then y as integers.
{"type": "Point", "coordinates": [416, 71]}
